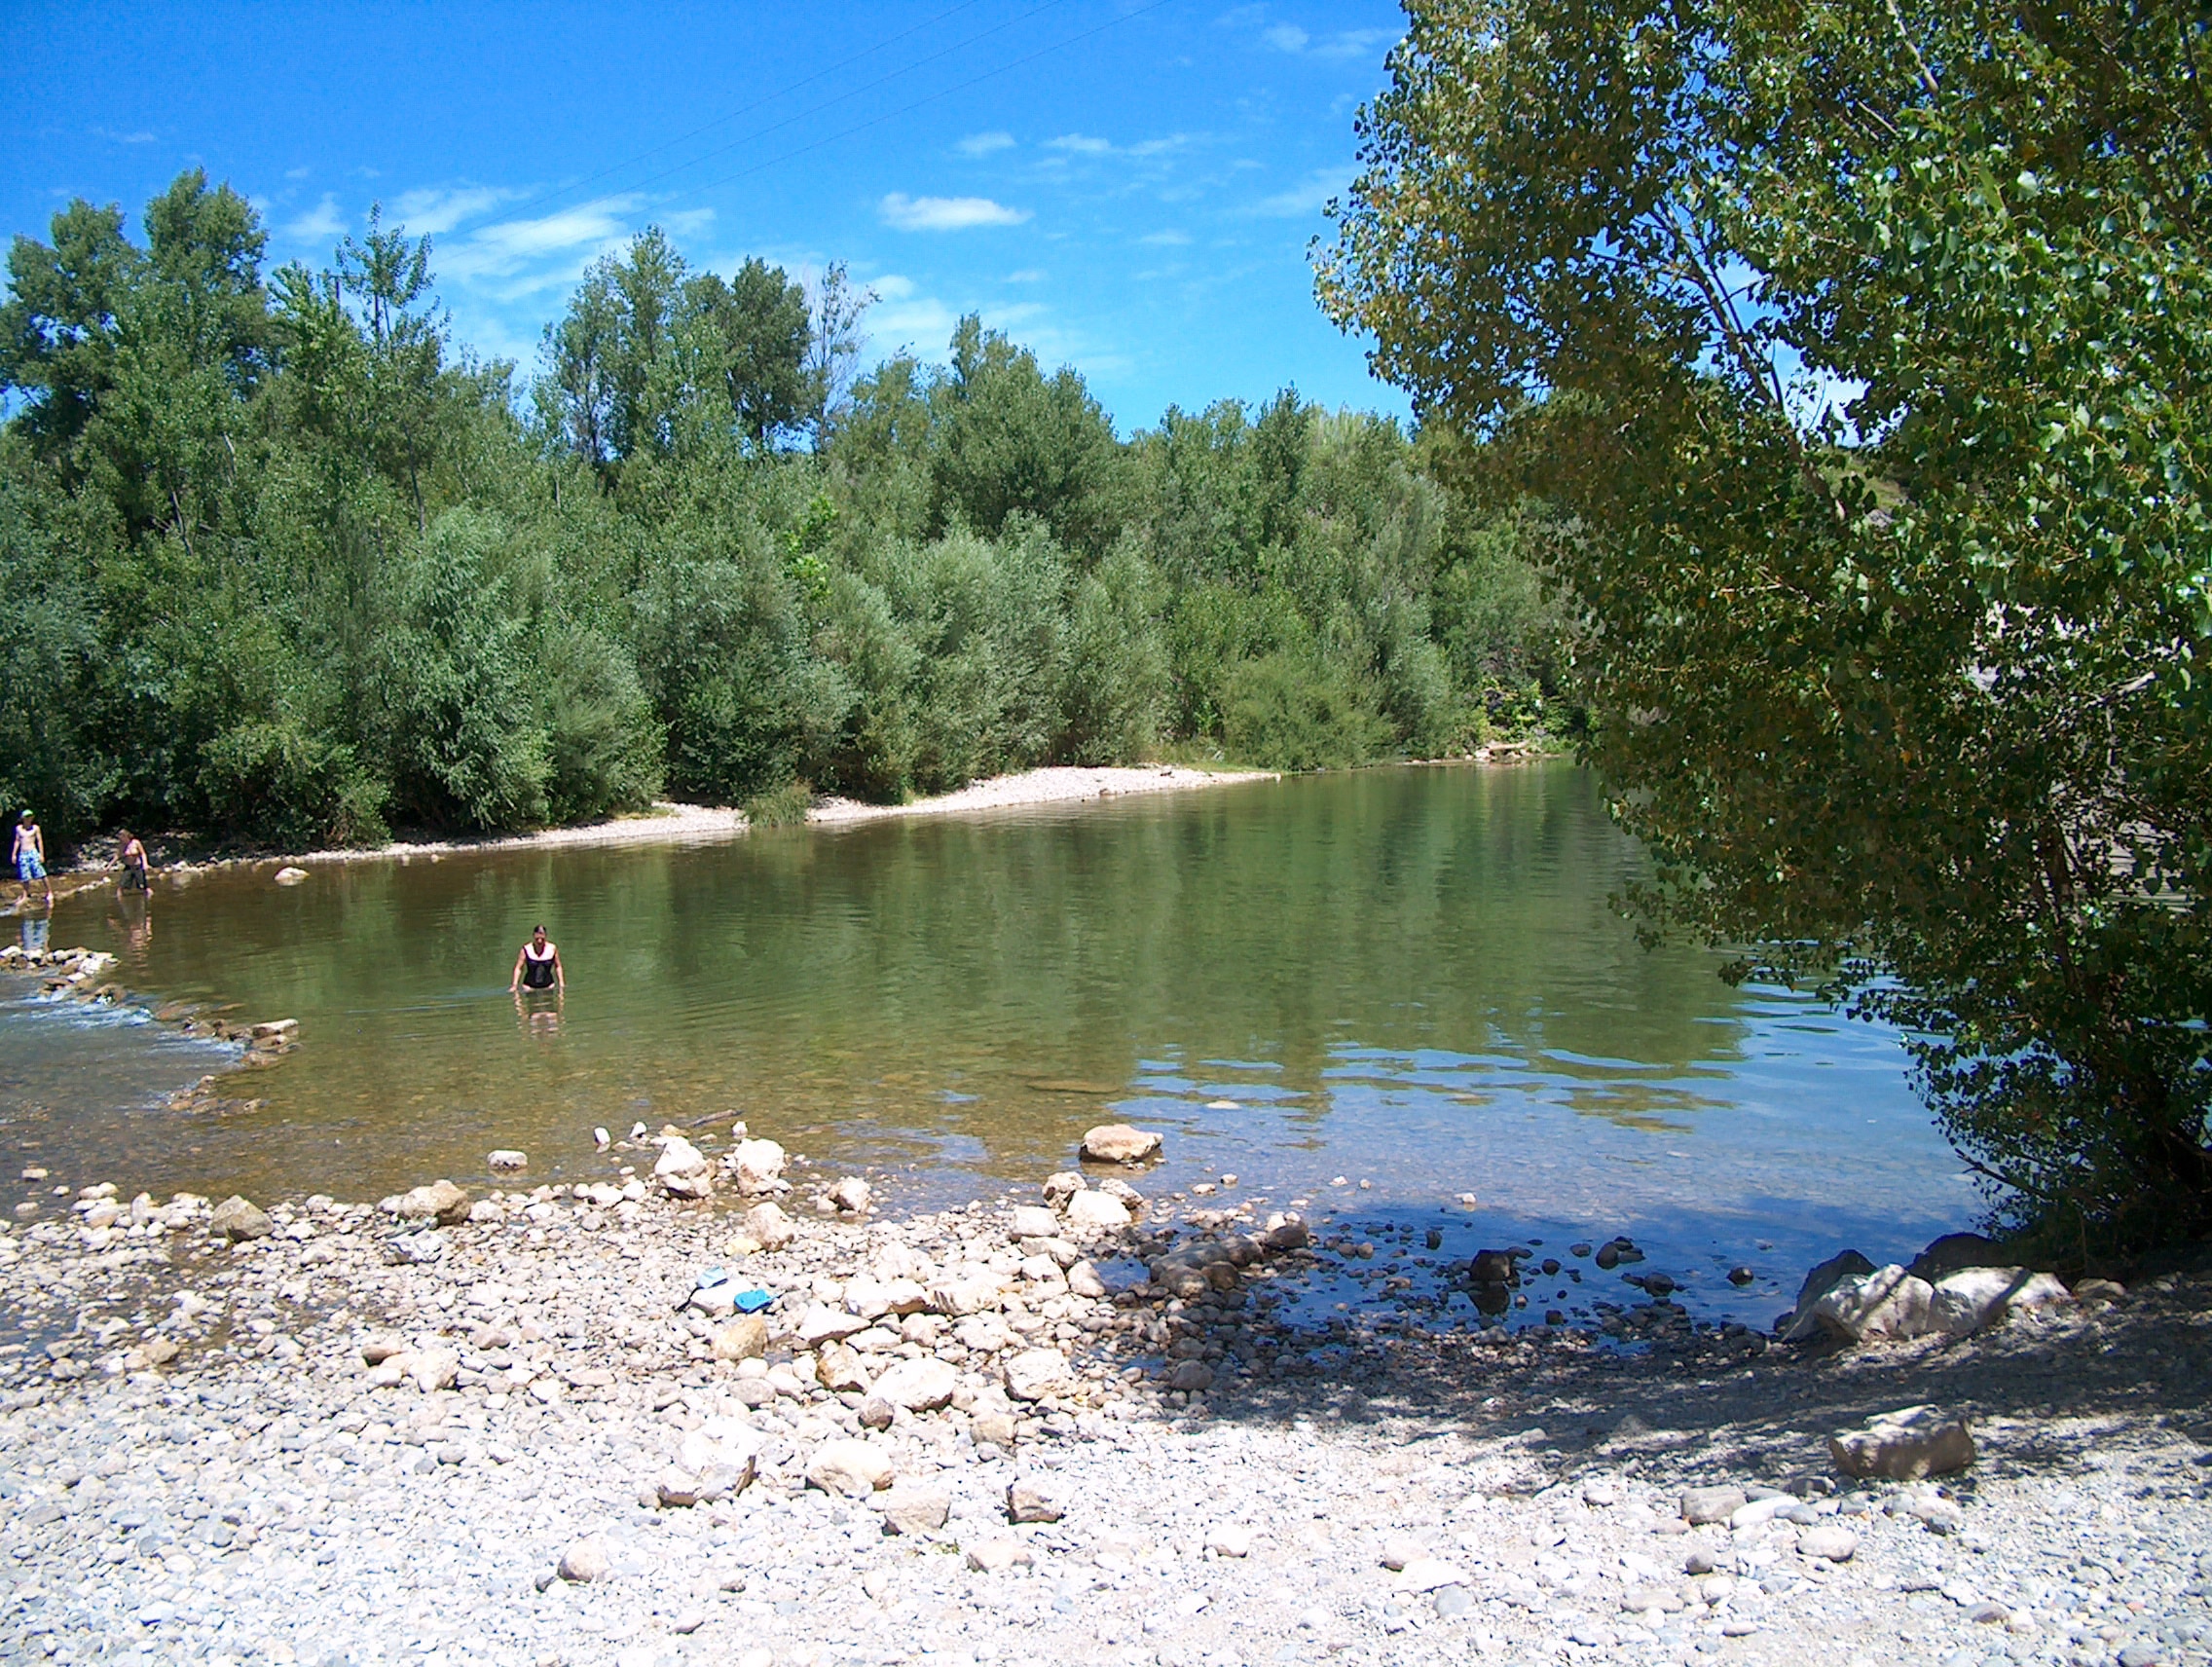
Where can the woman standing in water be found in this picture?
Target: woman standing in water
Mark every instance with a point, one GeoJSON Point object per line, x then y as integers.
{"type": "Point", "coordinates": [131, 852]}
{"type": "Point", "coordinates": [539, 965]}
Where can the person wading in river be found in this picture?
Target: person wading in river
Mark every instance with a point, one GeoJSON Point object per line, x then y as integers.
{"type": "Point", "coordinates": [29, 854]}
{"type": "Point", "coordinates": [539, 965]}
{"type": "Point", "coordinates": [134, 857]}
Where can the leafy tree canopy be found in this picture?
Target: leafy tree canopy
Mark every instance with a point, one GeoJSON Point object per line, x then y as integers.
{"type": "Point", "coordinates": [1861, 347]}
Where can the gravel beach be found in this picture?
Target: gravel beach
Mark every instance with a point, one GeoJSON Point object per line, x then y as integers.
{"type": "Point", "coordinates": [538, 1425]}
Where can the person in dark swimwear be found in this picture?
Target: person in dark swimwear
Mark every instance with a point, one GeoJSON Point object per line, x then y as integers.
{"type": "Point", "coordinates": [134, 857]}
{"type": "Point", "coordinates": [539, 965]}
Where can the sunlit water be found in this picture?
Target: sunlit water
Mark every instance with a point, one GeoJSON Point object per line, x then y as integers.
{"type": "Point", "coordinates": [1408, 978]}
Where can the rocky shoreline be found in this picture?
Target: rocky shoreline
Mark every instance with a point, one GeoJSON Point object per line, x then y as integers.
{"type": "Point", "coordinates": [637, 1421]}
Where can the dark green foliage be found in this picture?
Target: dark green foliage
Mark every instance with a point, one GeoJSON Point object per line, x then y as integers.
{"type": "Point", "coordinates": [1008, 440]}
{"type": "Point", "coordinates": [602, 744]}
{"type": "Point", "coordinates": [48, 634]}
{"type": "Point", "coordinates": [461, 726]}
{"type": "Point", "coordinates": [1912, 704]}
{"type": "Point", "coordinates": [291, 567]}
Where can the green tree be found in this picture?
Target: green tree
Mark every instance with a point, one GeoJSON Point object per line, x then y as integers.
{"type": "Point", "coordinates": [1006, 437]}
{"type": "Point", "coordinates": [464, 732]}
{"type": "Point", "coordinates": [49, 636]}
{"type": "Point", "coordinates": [1911, 701]}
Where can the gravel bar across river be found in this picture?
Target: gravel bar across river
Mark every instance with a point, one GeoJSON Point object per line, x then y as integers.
{"type": "Point", "coordinates": [540, 1426]}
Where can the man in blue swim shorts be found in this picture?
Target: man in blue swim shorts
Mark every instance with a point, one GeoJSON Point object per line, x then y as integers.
{"type": "Point", "coordinates": [28, 853]}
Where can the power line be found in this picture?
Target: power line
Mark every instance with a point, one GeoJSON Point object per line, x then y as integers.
{"type": "Point", "coordinates": [931, 98]}
{"type": "Point", "coordinates": [782, 93]}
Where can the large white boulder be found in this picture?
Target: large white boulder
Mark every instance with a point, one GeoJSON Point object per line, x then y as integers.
{"type": "Point", "coordinates": [920, 1385]}
{"type": "Point", "coordinates": [1119, 1144]}
{"type": "Point", "coordinates": [1093, 1211]}
{"type": "Point", "coordinates": [757, 1165]}
{"type": "Point", "coordinates": [1974, 1298]}
{"type": "Point", "coordinates": [1904, 1445]}
{"type": "Point", "coordinates": [967, 1290]}
{"type": "Point", "coordinates": [768, 1227]}
{"type": "Point", "coordinates": [1887, 1303]}
{"type": "Point", "coordinates": [684, 1170]}
{"type": "Point", "coordinates": [853, 1468]}
{"type": "Point", "coordinates": [1036, 1373]}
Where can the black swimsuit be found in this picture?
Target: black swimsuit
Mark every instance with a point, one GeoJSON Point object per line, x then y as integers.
{"type": "Point", "coordinates": [537, 971]}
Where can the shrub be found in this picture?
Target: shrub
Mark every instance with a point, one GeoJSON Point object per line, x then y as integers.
{"type": "Point", "coordinates": [1299, 710]}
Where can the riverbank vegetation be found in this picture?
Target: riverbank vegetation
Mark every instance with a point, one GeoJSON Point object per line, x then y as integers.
{"type": "Point", "coordinates": [285, 562]}
{"type": "Point", "coordinates": [1865, 348]}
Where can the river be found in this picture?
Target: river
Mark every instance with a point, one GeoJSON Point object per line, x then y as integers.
{"type": "Point", "coordinates": [1411, 979]}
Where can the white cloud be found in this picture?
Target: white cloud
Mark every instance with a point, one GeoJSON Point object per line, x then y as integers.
{"type": "Point", "coordinates": [436, 212]}
{"type": "Point", "coordinates": [1305, 198]}
{"type": "Point", "coordinates": [920, 322]}
{"type": "Point", "coordinates": [138, 138]}
{"type": "Point", "coordinates": [1090, 145]}
{"type": "Point", "coordinates": [297, 173]}
{"type": "Point", "coordinates": [1165, 240]}
{"type": "Point", "coordinates": [319, 224]}
{"type": "Point", "coordinates": [983, 144]}
{"type": "Point", "coordinates": [946, 214]}
{"type": "Point", "coordinates": [1027, 274]}
{"type": "Point", "coordinates": [518, 258]}
{"type": "Point", "coordinates": [1344, 43]}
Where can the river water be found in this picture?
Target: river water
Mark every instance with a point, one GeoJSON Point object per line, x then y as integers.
{"type": "Point", "coordinates": [1412, 979]}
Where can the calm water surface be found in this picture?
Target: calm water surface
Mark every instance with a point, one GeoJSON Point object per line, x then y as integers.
{"type": "Point", "coordinates": [1408, 978]}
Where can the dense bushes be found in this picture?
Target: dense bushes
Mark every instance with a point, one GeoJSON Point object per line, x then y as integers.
{"type": "Point", "coordinates": [285, 563]}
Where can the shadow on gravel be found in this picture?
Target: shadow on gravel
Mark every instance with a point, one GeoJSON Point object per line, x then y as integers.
{"type": "Point", "coordinates": [2042, 1396]}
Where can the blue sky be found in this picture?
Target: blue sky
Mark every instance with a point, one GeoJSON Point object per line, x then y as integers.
{"type": "Point", "coordinates": [1129, 186]}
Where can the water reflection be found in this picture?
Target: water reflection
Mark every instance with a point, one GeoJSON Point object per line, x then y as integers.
{"type": "Point", "coordinates": [1414, 973]}
{"type": "Point", "coordinates": [539, 1013]}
